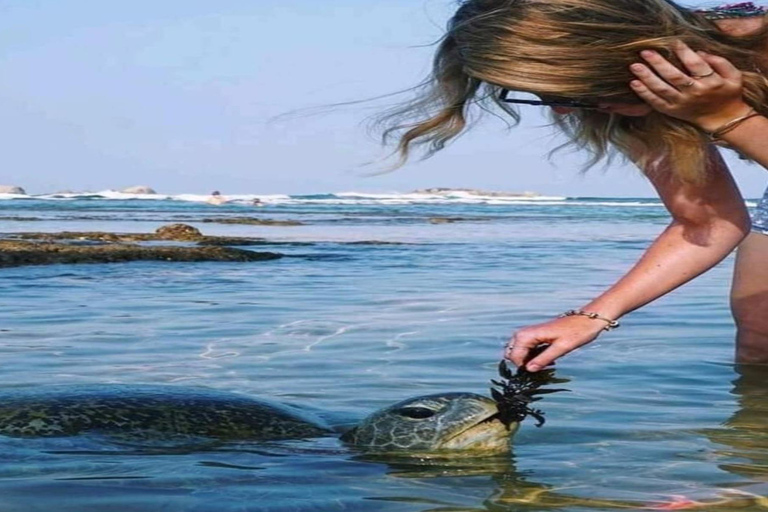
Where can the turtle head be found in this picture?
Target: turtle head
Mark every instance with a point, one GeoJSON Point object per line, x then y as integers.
{"type": "Point", "coordinates": [449, 422]}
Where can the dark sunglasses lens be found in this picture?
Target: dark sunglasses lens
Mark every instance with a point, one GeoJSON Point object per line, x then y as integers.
{"type": "Point", "coordinates": [565, 102]}
{"type": "Point", "coordinates": [547, 101]}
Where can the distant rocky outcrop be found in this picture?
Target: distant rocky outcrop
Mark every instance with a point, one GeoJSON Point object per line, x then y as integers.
{"type": "Point", "coordinates": [139, 189]}
{"type": "Point", "coordinates": [442, 220]}
{"type": "Point", "coordinates": [440, 191]}
{"type": "Point", "coordinates": [18, 218]}
{"type": "Point", "coordinates": [253, 221]}
{"type": "Point", "coordinates": [451, 220]}
{"type": "Point", "coordinates": [11, 189]}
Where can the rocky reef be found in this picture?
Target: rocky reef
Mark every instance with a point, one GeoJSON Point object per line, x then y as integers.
{"type": "Point", "coordinates": [252, 221]}
{"type": "Point", "coordinates": [169, 233]}
{"type": "Point", "coordinates": [103, 247]}
{"type": "Point", "coordinates": [452, 220]}
{"type": "Point", "coordinates": [20, 253]}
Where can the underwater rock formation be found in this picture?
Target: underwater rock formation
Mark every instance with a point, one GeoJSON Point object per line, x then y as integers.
{"type": "Point", "coordinates": [14, 253]}
{"type": "Point", "coordinates": [168, 233]}
{"type": "Point", "coordinates": [253, 221]}
{"type": "Point", "coordinates": [104, 247]}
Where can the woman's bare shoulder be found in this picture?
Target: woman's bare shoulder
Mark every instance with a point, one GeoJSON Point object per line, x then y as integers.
{"type": "Point", "coordinates": [742, 26]}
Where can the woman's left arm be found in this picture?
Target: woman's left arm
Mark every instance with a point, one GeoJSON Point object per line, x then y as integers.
{"type": "Point", "coordinates": [707, 94]}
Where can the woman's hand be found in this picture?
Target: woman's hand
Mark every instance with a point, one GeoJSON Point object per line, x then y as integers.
{"type": "Point", "coordinates": [707, 94]}
{"type": "Point", "coordinates": [562, 335]}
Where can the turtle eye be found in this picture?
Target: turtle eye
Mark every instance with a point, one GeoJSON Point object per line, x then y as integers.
{"type": "Point", "coordinates": [417, 413]}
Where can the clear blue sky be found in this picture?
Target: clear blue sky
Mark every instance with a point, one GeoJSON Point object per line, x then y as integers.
{"type": "Point", "coordinates": [179, 95]}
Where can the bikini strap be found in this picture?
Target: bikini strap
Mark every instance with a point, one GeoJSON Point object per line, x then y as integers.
{"type": "Point", "coordinates": [741, 10]}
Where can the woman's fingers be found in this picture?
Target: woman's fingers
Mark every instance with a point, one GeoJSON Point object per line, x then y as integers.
{"type": "Point", "coordinates": [520, 346]}
{"type": "Point", "coordinates": [548, 357]}
{"type": "Point", "coordinates": [648, 96]}
{"type": "Point", "coordinates": [668, 72]}
{"type": "Point", "coordinates": [559, 336]}
{"type": "Point", "coordinates": [693, 62]}
{"type": "Point", "coordinates": [706, 90]}
{"type": "Point", "coordinates": [524, 342]}
{"type": "Point", "coordinates": [655, 84]}
{"type": "Point", "coordinates": [721, 66]}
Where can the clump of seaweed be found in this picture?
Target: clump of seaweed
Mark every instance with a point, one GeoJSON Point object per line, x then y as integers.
{"type": "Point", "coordinates": [518, 391]}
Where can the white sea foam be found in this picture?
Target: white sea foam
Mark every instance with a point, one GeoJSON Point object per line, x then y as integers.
{"type": "Point", "coordinates": [13, 196]}
{"type": "Point", "coordinates": [355, 198]}
{"type": "Point", "coordinates": [448, 196]}
{"type": "Point", "coordinates": [115, 195]}
{"type": "Point", "coordinates": [343, 198]}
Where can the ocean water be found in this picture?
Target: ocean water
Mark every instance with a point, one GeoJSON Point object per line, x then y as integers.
{"type": "Point", "coordinates": [381, 299]}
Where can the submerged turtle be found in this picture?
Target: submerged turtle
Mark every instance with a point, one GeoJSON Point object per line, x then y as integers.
{"type": "Point", "coordinates": [447, 422]}
{"type": "Point", "coordinates": [451, 421]}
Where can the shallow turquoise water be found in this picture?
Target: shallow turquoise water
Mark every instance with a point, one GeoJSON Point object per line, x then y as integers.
{"type": "Point", "coordinates": [657, 413]}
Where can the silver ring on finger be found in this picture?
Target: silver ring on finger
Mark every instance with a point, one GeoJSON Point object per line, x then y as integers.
{"type": "Point", "coordinates": [705, 75]}
{"type": "Point", "coordinates": [689, 83]}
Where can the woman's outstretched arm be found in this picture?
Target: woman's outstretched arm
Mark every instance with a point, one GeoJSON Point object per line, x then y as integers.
{"type": "Point", "coordinates": [708, 222]}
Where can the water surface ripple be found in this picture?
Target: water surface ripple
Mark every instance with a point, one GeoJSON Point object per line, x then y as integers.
{"type": "Point", "coordinates": [657, 416]}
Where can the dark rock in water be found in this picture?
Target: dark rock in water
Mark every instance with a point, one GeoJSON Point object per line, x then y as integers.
{"type": "Point", "coordinates": [228, 241]}
{"type": "Point", "coordinates": [451, 220]}
{"type": "Point", "coordinates": [18, 253]}
{"type": "Point", "coordinates": [374, 242]}
{"type": "Point", "coordinates": [441, 220]}
{"type": "Point", "coordinates": [253, 221]}
{"type": "Point", "coordinates": [73, 247]}
{"type": "Point", "coordinates": [173, 242]}
{"type": "Point", "coordinates": [92, 236]}
{"type": "Point", "coordinates": [169, 233]}
{"type": "Point", "coordinates": [23, 219]}
{"type": "Point", "coordinates": [178, 232]}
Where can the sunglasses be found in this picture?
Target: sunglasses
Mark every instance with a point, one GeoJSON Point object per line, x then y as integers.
{"type": "Point", "coordinates": [559, 102]}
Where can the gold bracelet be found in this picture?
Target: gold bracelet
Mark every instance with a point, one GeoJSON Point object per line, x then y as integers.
{"type": "Point", "coordinates": [716, 135]}
{"type": "Point", "coordinates": [612, 324]}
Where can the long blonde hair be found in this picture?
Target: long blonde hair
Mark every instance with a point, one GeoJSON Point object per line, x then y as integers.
{"type": "Point", "coordinates": [579, 49]}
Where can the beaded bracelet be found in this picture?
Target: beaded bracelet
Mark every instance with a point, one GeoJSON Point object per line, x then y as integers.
{"type": "Point", "coordinates": [612, 324]}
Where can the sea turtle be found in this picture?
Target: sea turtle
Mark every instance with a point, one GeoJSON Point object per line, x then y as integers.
{"type": "Point", "coordinates": [440, 422]}
{"type": "Point", "coordinates": [447, 422]}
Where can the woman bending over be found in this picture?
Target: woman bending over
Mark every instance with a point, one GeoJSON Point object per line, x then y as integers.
{"type": "Point", "coordinates": [662, 85]}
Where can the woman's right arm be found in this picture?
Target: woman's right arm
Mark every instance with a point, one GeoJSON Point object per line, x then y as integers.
{"type": "Point", "coordinates": [708, 222]}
